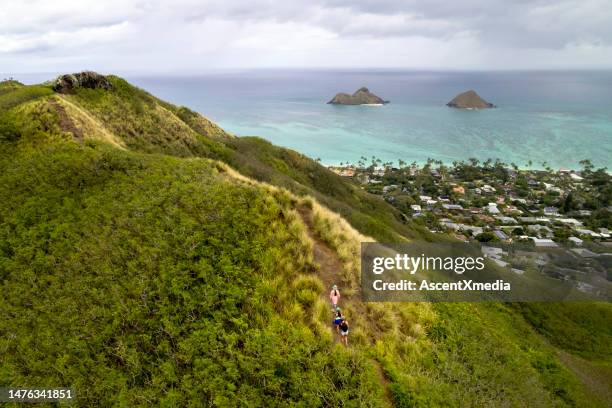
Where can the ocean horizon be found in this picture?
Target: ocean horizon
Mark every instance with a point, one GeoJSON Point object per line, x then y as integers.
{"type": "Point", "coordinates": [552, 118]}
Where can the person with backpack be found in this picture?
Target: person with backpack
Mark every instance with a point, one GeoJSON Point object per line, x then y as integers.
{"type": "Point", "coordinates": [334, 296]}
{"type": "Point", "coordinates": [344, 331]}
{"type": "Point", "coordinates": [338, 319]}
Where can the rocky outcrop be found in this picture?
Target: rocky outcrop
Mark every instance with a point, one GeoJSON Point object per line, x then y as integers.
{"type": "Point", "coordinates": [362, 96]}
{"type": "Point", "coordinates": [469, 100]}
{"type": "Point", "coordinates": [87, 79]}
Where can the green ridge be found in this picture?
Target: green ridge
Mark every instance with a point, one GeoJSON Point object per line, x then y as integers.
{"type": "Point", "coordinates": [149, 276]}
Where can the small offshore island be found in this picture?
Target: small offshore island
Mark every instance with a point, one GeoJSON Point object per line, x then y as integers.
{"type": "Point", "coordinates": [469, 100]}
{"type": "Point", "coordinates": [362, 96]}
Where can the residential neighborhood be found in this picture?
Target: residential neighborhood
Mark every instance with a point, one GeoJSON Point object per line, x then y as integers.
{"type": "Point", "coordinates": [496, 204]}
{"type": "Point", "coordinates": [502, 202]}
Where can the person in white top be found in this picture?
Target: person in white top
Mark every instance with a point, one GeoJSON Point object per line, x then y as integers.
{"type": "Point", "coordinates": [334, 296]}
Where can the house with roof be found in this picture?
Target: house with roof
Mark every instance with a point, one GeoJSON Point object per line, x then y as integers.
{"type": "Point", "coordinates": [487, 189]}
{"type": "Point", "coordinates": [492, 208]}
{"type": "Point", "coordinates": [447, 223]}
{"type": "Point", "coordinates": [501, 235]}
{"type": "Point", "coordinates": [576, 177]}
{"type": "Point", "coordinates": [473, 229]}
{"type": "Point", "coordinates": [506, 220]}
{"type": "Point", "coordinates": [575, 240]}
{"type": "Point", "coordinates": [510, 209]}
{"type": "Point", "coordinates": [587, 232]}
{"type": "Point", "coordinates": [551, 211]}
{"type": "Point", "coordinates": [541, 230]}
{"type": "Point", "coordinates": [452, 207]}
{"type": "Point", "coordinates": [544, 242]}
{"type": "Point", "coordinates": [570, 221]}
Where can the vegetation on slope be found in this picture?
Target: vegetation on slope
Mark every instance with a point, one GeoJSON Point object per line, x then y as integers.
{"type": "Point", "coordinates": [131, 279]}
{"type": "Point", "coordinates": [9, 85]}
{"type": "Point", "coordinates": [147, 124]}
{"type": "Point", "coordinates": [11, 96]}
{"type": "Point", "coordinates": [447, 354]}
{"type": "Point", "coordinates": [144, 274]}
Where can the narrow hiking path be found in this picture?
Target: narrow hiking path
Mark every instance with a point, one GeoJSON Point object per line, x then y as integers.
{"type": "Point", "coordinates": [330, 264]}
{"type": "Point", "coordinates": [329, 270]}
{"type": "Point", "coordinates": [328, 261]}
{"type": "Point", "coordinates": [331, 267]}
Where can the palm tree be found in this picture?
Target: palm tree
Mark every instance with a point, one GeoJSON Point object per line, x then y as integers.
{"type": "Point", "coordinates": [586, 165]}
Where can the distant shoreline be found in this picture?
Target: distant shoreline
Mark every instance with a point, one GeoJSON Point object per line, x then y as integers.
{"type": "Point", "coordinates": [534, 167]}
{"type": "Point", "coordinates": [287, 108]}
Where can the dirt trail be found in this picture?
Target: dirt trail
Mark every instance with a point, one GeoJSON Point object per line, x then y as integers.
{"type": "Point", "coordinates": [65, 123]}
{"type": "Point", "coordinates": [330, 265]}
{"type": "Point", "coordinates": [327, 259]}
{"type": "Point", "coordinates": [329, 268]}
{"type": "Point", "coordinates": [86, 125]}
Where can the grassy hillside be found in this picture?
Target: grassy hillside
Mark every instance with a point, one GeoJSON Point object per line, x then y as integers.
{"type": "Point", "coordinates": [147, 124]}
{"type": "Point", "coordinates": [140, 266]}
{"type": "Point", "coordinates": [146, 279]}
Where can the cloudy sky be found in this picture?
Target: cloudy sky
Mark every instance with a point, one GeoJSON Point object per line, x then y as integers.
{"type": "Point", "coordinates": [194, 36]}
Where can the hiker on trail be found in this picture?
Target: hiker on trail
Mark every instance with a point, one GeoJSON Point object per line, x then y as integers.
{"type": "Point", "coordinates": [344, 331]}
{"type": "Point", "coordinates": [338, 319]}
{"type": "Point", "coordinates": [334, 296]}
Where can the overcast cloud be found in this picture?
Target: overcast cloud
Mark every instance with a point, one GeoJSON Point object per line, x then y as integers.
{"type": "Point", "coordinates": [193, 36]}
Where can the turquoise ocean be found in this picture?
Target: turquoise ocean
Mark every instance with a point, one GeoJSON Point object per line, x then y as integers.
{"type": "Point", "coordinates": [557, 118]}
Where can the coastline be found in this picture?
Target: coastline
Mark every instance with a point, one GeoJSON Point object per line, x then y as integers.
{"type": "Point", "coordinates": [287, 108]}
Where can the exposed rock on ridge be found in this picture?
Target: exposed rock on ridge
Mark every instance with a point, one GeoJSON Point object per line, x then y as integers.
{"type": "Point", "coordinates": [87, 79]}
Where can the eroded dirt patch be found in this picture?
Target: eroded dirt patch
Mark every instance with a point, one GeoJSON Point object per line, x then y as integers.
{"type": "Point", "coordinates": [66, 124]}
